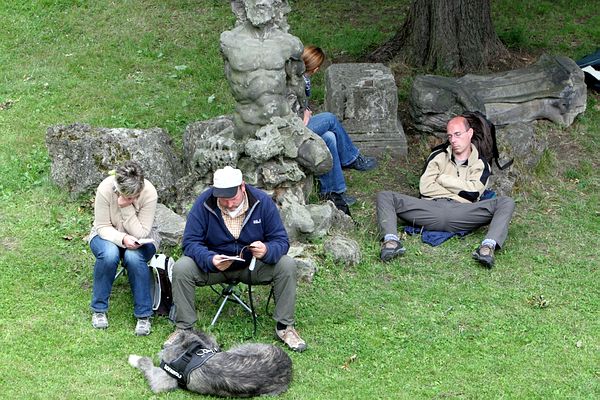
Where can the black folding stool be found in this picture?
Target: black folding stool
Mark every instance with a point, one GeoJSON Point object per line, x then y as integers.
{"type": "Point", "coordinates": [230, 291]}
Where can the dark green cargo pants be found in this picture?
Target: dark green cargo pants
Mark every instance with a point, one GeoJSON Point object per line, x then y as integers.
{"type": "Point", "coordinates": [187, 276]}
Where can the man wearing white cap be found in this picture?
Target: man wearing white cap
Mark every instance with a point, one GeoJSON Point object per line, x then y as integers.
{"type": "Point", "coordinates": [236, 219]}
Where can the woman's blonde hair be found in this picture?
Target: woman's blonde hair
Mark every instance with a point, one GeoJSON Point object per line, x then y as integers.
{"type": "Point", "coordinates": [313, 57]}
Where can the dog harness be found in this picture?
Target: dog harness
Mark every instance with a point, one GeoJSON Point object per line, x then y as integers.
{"type": "Point", "coordinates": [181, 368]}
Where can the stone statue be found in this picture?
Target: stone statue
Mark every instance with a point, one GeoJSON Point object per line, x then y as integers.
{"type": "Point", "coordinates": [263, 63]}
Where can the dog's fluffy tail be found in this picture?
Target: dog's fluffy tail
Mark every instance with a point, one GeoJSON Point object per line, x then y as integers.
{"type": "Point", "coordinates": [157, 378]}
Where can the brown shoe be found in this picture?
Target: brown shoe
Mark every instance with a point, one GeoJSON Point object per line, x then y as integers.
{"type": "Point", "coordinates": [290, 337]}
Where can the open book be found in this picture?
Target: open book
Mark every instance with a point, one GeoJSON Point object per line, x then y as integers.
{"type": "Point", "coordinates": [144, 241]}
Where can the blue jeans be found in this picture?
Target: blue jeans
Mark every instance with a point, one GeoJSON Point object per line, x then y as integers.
{"type": "Point", "coordinates": [108, 256]}
{"type": "Point", "coordinates": [343, 151]}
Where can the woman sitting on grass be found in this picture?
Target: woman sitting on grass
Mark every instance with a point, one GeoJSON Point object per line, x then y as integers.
{"type": "Point", "coordinates": [124, 214]}
{"type": "Point", "coordinates": [345, 154]}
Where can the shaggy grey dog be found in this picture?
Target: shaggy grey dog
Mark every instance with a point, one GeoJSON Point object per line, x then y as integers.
{"type": "Point", "coordinates": [244, 371]}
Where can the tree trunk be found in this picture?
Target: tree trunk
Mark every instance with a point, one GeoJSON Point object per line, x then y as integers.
{"type": "Point", "coordinates": [450, 35]}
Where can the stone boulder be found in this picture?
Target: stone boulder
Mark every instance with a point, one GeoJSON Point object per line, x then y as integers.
{"type": "Point", "coordinates": [340, 221]}
{"type": "Point", "coordinates": [83, 155]}
{"type": "Point", "coordinates": [312, 221]}
{"type": "Point", "coordinates": [306, 269]}
{"type": "Point", "coordinates": [297, 220]}
{"type": "Point", "coordinates": [520, 142]}
{"type": "Point", "coordinates": [306, 266]}
{"type": "Point", "coordinates": [279, 158]}
{"type": "Point", "coordinates": [364, 97]}
{"type": "Point", "coordinates": [170, 225]}
{"type": "Point", "coordinates": [278, 172]}
{"type": "Point", "coordinates": [322, 217]}
{"type": "Point", "coordinates": [343, 250]}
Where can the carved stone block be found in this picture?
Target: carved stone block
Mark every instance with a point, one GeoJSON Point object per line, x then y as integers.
{"type": "Point", "coordinates": [364, 97]}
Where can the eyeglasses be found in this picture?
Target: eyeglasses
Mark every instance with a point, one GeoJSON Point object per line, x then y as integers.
{"type": "Point", "coordinates": [455, 135]}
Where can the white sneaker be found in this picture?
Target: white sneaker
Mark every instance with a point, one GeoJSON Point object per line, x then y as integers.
{"type": "Point", "coordinates": [142, 328]}
{"type": "Point", "coordinates": [99, 320]}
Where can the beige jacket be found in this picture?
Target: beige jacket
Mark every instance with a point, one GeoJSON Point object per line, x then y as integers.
{"type": "Point", "coordinates": [112, 222]}
{"type": "Point", "coordinates": [444, 179]}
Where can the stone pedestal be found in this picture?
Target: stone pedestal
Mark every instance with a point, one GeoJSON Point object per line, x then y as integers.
{"type": "Point", "coordinates": [364, 97]}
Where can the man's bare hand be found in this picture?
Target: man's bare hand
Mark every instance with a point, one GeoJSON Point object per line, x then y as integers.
{"type": "Point", "coordinates": [258, 249]}
{"type": "Point", "coordinates": [221, 262]}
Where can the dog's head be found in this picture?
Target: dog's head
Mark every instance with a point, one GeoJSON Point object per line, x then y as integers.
{"type": "Point", "coordinates": [184, 340]}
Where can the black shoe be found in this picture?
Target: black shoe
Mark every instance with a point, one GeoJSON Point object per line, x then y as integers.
{"type": "Point", "coordinates": [390, 249]}
{"type": "Point", "coordinates": [363, 163]}
{"type": "Point", "coordinates": [338, 200]}
{"type": "Point", "coordinates": [485, 256]}
{"type": "Point", "coordinates": [333, 196]}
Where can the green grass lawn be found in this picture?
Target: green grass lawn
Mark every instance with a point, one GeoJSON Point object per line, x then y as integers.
{"type": "Point", "coordinates": [432, 324]}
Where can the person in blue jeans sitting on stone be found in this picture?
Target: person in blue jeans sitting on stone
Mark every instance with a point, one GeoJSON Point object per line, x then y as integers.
{"type": "Point", "coordinates": [124, 211]}
{"type": "Point", "coordinates": [345, 154]}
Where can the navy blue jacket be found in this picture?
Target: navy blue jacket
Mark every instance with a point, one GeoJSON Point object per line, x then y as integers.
{"type": "Point", "coordinates": [206, 235]}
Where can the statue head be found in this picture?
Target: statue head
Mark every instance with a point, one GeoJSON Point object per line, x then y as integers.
{"type": "Point", "coordinates": [262, 12]}
{"type": "Point", "coordinates": [259, 12]}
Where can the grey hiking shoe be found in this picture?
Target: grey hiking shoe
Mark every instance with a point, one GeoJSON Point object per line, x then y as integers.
{"type": "Point", "coordinates": [390, 249]}
{"type": "Point", "coordinates": [290, 337]}
{"type": "Point", "coordinates": [99, 320]}
{"type": "Point", "coordinates": [485, 256]}
{"type": "Point", "coordinates": [142, 328]}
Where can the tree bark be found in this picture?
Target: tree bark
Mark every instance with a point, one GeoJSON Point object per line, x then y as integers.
{"type": "Point", "coordinates": [446, 35]}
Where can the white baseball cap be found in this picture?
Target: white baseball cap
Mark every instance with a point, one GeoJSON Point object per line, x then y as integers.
{"type": "Point", "coordinates": [226, 182]}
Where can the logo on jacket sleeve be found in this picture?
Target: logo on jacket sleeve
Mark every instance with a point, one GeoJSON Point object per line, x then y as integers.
{"type": "Point", "coordinates": [256, 221]}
